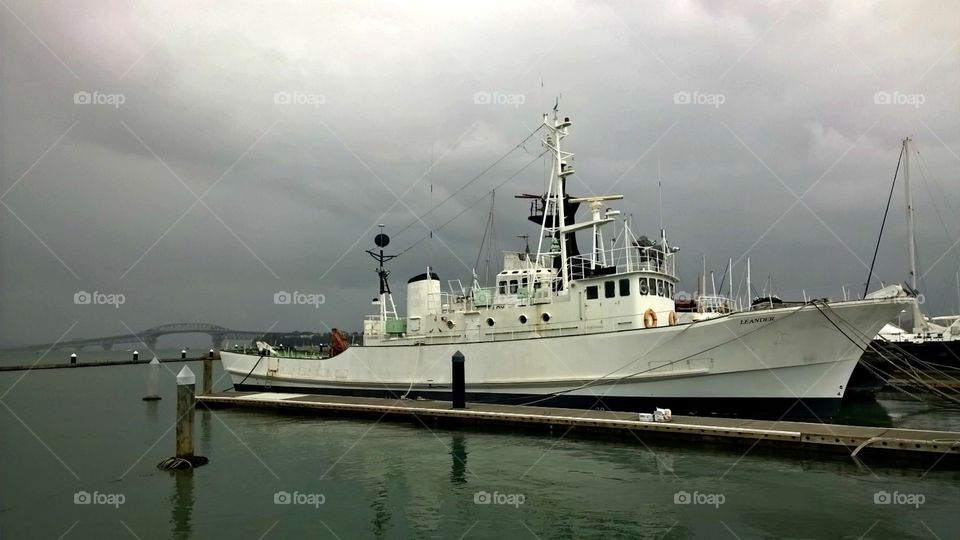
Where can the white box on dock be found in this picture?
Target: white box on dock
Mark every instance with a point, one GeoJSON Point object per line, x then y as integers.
{"type": "Point", "coordinates": [646, 417]}
{"type": "Point", "coordinates": [662, 415]}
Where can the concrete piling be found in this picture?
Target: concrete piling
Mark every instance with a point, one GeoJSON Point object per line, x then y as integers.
{"type": "Point", "coordinates": [208, 373]}
{"type": "Point", "coordinates": [186, 390]}
{"type": "Point", "coordinates": [186, 401]}
{"type": "Point", "coordinates": [153, 380]}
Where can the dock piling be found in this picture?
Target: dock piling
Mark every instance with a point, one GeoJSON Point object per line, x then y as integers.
{"type": "Point", "coordinates": [153, 380]}
{"type": "Point", "coordinates": [186, 401]}
{"type": "Point", "coordinates": [208, 373]}
{"type": "Point", "coordinates": [459, 386]}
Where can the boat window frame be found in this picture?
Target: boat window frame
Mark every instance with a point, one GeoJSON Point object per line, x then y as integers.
{"type": "Point", "coordinates": [593, 292]}
{"type": "Point", "coordinates": [623, 286]}
{"type": "Point", "coordinates": [610, 289]}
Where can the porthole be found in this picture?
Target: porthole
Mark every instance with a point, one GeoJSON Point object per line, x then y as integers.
{"type": "Point", "coordinates": [490, 321]}
{"type": "Point", "coordinates": [522, 319]}
{"type": "Point", "coordinates": [545, 317]}
{"type": "Point", "coordinates": [450, 325]}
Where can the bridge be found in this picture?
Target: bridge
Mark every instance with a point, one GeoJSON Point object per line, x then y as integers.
{"type": "Point", "coordinates": [218, 334]}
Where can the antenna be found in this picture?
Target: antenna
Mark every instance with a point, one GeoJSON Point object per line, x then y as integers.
{"type": "Point", "coordinates": [382, 241]}
{"type": "Point", "coordinates": [659, 191]}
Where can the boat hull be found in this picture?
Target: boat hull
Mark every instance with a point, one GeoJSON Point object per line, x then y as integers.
{"type": "Point", "coordinates": [788, 362]}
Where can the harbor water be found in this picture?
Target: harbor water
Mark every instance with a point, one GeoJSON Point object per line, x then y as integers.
{"type": "Point", "coordinates": [79, 449]}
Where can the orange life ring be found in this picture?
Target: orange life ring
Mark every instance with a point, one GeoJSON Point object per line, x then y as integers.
{"type": "Point", "coordinates": [649, 319]}
{"type": "Point", "coordinates": [673, 318]}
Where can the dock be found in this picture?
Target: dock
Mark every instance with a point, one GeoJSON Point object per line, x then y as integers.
{"type": "Point", "coordinates": [866, 444]}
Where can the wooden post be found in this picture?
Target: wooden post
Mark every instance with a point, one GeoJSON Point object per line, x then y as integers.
{"type": "Point", "coordinates": [73, 358]}
{"type": "Point", "coordinates": [459, 386]}
{"type": "Point", "coordinates": [186, 388]}
{"type": "Point", "coordinates": [153, 380]}
{"type": "Point", "coordinates": [208, 374]}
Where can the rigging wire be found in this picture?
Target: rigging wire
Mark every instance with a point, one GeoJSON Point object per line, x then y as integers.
{"type": "Point", "coordinates": [472, 180]}
{"type": "Point", "coordinates": [471, 205]}
{"type": "Point", "coordinates": [876, 250]}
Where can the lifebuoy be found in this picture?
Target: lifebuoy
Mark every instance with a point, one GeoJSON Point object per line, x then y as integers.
{"type": "Point", "coordinates": [673, 318]}
{"type": "Point", "coordinates": [649, 319]}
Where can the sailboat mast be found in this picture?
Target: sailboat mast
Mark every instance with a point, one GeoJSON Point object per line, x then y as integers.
{"type": "Point", "coordinates": [918, 322]}
{"type": "Point", "coordinates": [911, 231]}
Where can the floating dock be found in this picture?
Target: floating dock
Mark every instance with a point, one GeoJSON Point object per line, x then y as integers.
{"type": "Point", "coordinates": [869, 444]}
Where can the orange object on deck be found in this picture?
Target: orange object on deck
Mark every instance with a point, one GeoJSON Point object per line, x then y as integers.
{"type": "Point", "coordinates": [338, 342]}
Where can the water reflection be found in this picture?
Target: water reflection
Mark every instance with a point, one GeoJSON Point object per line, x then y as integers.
{"type": "Point", "coordinates": [181, 504]}
{"type": "Point", "coordinates": [458, 465]}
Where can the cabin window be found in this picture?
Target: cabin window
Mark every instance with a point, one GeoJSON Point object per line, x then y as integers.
{"type": "Point", "coordinates": [661, 290]}
{"type": "Point", "coordinates": [513, 286]}
{"type": "Point", "coordinates": [536, 285]}
{"type": "Point", "coordinates": [624, 287]}
{"type": "Point", "coordinates": [670, 290]}
{"type": "Point", "coordinates": [503, 287]}
{"type": "Point", "coordinates": [609, 289]}
{"type": "Point", "coordinates": [522, 319]}
{"type": "Point", "coordinates": [644, 289]}
{"type": "Point", "coordinates": [490, 321]}
{"type": "Point", "coordinates": [592, 292]}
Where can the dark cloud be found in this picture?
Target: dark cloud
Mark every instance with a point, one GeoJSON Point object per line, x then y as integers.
{"type": "Point", "coordinates": [383, 90]}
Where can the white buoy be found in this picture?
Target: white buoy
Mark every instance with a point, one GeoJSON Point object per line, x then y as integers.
{"type": "Point", "coordinates": [153, 380]}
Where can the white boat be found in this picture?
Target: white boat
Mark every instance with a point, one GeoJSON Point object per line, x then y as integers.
{"type": "Point", "coordinates": [587, 330]}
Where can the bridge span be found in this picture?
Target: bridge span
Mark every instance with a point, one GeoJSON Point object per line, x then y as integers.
{"type": "Point", "coordinates": [218, 334]}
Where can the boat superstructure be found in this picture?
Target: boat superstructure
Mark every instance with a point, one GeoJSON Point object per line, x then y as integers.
{"type": "Point", "coordinates": [596, 328]}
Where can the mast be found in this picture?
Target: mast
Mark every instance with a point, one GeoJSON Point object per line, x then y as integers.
{"type": "Point", "coordinates": [749, 290]}
{"type": "Point", "coordinates": [918, 322]}
{"type": "Point", "coordinates": [382, 240]}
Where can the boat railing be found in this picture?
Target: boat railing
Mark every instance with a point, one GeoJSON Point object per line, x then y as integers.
{"type": "Point", "coordinates": [715, 304]}
{"type": "Point", "coordinates": [625, 259]}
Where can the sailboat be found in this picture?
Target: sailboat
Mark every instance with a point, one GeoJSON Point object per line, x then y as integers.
{"type": "Point", "coordinates": [930, 344]}
{"type": "Point", "coordinates": [592, 329]}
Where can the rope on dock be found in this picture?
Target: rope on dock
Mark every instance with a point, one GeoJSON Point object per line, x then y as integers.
{"type": "Point", "coordinates": [182, 464]}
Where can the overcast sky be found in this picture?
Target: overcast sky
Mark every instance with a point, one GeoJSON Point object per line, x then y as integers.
{"type": "Point", "coordinates": [189, 101]}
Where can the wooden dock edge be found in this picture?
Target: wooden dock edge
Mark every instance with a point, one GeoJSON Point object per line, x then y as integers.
{"type": "Point", "coordinates": [832, 440]}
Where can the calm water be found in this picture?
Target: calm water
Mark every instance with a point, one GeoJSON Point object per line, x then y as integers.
{"type": "Point", "coordinates": [86, 430]}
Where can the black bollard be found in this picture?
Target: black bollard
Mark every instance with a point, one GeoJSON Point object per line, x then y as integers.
{"type": "Point", "coordinates": [183, 354]}
{"type": "Point", "coordinates": [73, 358]}
{"type": "Point", "coordinates": [136, 355]}
{"type": "Point", "coordinates": [459, 386]}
